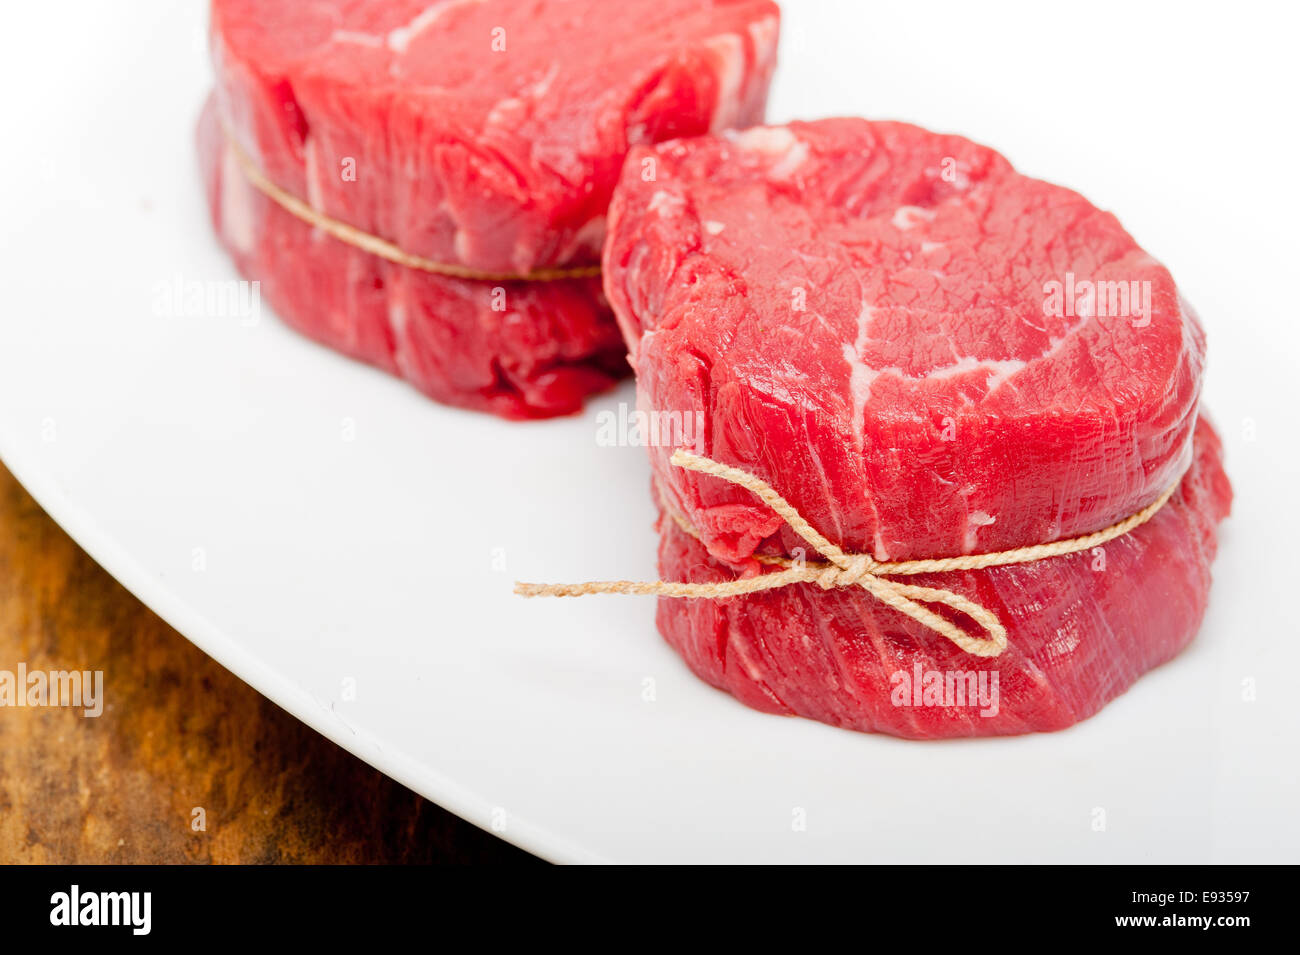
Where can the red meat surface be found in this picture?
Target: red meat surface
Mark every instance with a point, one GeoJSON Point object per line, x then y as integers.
{"type": "Point", "coordinates": [482, 133]}
{"type": "Point", "coordinates": [861, 315]}
{"type": "Point", "coordinates": [1082, 628]}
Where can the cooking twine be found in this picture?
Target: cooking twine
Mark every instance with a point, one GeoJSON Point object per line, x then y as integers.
{"type": "Point", "coordinates": [847, 570]}
{"type": "Point", "coordinates": [382, 247]}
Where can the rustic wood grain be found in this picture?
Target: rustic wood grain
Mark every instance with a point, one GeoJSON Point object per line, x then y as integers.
{"type": "Point", "coordinates": [178, 732]}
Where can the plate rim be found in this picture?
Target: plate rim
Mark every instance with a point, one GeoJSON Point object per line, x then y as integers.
{"type": "Point", "coordinates": [209, 638]}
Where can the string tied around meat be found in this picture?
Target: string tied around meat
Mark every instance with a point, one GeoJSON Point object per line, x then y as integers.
{"type": "Point", "coordinates": [382, 248]}
{"type": "Point", "coordinates": [841, 569]}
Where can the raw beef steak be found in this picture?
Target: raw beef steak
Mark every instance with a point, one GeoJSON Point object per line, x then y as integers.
{"type": "Point", "coordinates": [1082, 629]}
{"type": "Point", "coordinates": [928, 355]}
{"type": "Point", "coordinates": [480, 133]}
{"type": "Point", "coordinates": [553, 344]}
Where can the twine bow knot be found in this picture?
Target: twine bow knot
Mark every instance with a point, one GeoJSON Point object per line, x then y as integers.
{"type": "Point", "coordinates": [858, 567]}
{"type": "Point", "coordinates": [842, 569]}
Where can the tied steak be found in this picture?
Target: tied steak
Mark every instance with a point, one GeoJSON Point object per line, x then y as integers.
{"type": "Point", "coordinates": [927, 354]}
{"type": "Point", "coordinates": [481, 133]}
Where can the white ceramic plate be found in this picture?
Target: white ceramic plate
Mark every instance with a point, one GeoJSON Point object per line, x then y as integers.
{"type": "Point", "coordinates": [337, 541]}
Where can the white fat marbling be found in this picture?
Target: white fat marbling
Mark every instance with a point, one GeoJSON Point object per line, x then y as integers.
{"type": "Point", "coordinates": [729, 49]}
{"type": "Point", "coordinates": [906, 217]}
{"type": "Point", "coordinates": [356, 38]}
{"type": "Point", "coordinates": [860, 374]}
{"type": "Point", "coordinates": [974, 521]}
{"type": "Point", "coordinates": [764, 33]}
{"type": "Point", "coordinates": [399, 39]}
{"type": "Point", "coordinates": [236, 203]}
{"type": "Point", "coordinates": [311, 172]}
{"type": "Point", "coordinates": [778, 143]}
{"type": "Point", "coordinates": [768, 140]}
{"type": "Point", "coordinates": [666, 204]}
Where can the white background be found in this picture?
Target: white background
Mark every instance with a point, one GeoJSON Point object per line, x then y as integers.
{"type": "Point", "coordinates": [370, 559]}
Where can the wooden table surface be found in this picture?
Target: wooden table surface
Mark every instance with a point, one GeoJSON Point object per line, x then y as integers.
{"type": "Point", "coordinates": [178, 733]}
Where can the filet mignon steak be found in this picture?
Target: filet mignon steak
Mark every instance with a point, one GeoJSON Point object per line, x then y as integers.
{"type": "Point", "coordinates": [923, 351]}
{"type": "Point", "coordinates": [479, 133]}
